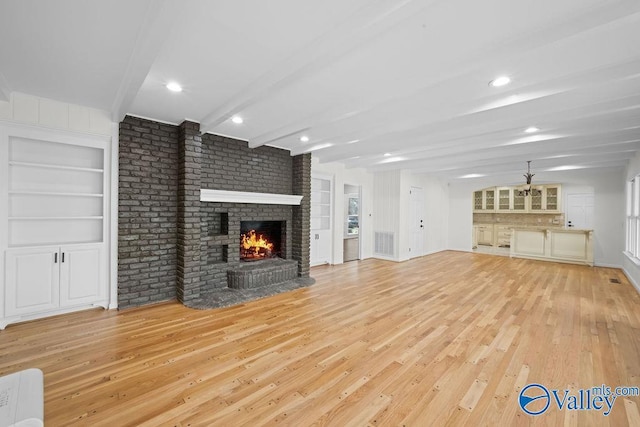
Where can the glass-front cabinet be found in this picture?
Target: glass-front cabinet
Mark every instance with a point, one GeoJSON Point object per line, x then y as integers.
{"type": "Point", "coordinates": [546, 198]}
{"type": "Point", "coordinates": [484, 200]}
{"type": "Point", "coordinates": [552, 198]}
{"type": "Point", "coordinates": [543, 198]}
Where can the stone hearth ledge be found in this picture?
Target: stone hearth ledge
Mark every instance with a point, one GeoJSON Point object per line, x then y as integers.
{"type": "Point", "coordinates": [225, 297]}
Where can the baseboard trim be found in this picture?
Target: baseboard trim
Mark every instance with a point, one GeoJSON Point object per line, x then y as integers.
{"type": "Point", "coordinates": [618, 266]}
{"type": "Point", "coordinates": [633, 282]}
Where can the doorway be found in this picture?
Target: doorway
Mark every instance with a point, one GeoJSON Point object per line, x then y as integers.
{"type": "Point", "coordinates": [351, 238]}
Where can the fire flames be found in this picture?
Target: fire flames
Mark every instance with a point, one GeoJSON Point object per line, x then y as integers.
{"type": "Point", "coordinates": [254, 246]}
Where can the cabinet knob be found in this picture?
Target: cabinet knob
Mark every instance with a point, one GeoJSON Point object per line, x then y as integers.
{"type": "Point", "coordinates": [55, 258]}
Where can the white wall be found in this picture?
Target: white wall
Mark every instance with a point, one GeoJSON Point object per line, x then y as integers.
{"type": "Point", "coordinates": [608, 189]}
{"type": "Point", "coordinates": [358, 177]}
{"type": "Point", "coordinates": [631, 269]}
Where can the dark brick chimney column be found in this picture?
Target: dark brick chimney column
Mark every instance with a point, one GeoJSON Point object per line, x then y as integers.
{"type": "Point", "coordinates": [190, 157]}
{"type": "Point", "coordinates": [302, 214]}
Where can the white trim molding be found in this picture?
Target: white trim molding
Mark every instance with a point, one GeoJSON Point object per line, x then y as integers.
{"type": "Point", "coordinates": [207, 195]}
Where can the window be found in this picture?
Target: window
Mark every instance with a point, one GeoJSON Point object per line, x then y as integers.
{"type": "Point", "coordinates": [633, 218]}
{"type": "Point", "coordinates": [353, 211]}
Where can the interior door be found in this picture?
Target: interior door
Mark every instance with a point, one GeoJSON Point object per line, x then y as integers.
{"type": "Point", "coordinates": [320, 221]}
{"type": "Point", "coordinates": [416, 222]}
{"type": "Point", "coordinates": [580, 210]}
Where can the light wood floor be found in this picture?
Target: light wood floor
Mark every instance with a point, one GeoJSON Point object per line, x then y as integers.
{"type": "Point", "coordinates": [447, 339]}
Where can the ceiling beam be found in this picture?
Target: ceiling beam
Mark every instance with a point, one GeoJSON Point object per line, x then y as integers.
{"type": "Point", "coordinates": [5, 91]}
{"type": "Point", "coordinates": [364, 25]}
{"type": "Point", "coordinates": [334, 118]}
{"type": "Point", "coordinates": [154, 31]}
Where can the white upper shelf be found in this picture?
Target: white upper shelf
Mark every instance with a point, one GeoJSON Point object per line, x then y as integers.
{"type": "Point", "coordinates": [207, 195]}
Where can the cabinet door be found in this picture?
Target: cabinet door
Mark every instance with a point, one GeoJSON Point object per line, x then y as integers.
{"type": "Point", "coordinates": [552, 198]}
{"type": "Point", "coordinates": [81, 274]}
{"type": "Point", "coordinates": [489, 200]}
{"type": "Point", "coordinates": [477, 200]}
{"type": "Point", "coordinates": [504, 199]}
{"type": "Point", "coordinates": [32, 280]}
{"type": "Point", "coordinates": [519, 202]}
{"type": "Point", "coordinates": [536, 199]}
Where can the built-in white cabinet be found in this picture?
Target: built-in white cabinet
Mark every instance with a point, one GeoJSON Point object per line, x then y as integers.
{"type": "Point", "coordinates": [52, 277]}
{"type": "Point", "coordinates": [55, 204]}
{"type": "Point", "coordinates": [320, 251]}
{"type": "Point", "coordinates": [32, 280]}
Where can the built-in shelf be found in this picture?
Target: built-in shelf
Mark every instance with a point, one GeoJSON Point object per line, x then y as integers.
{"type": "Point", "coordinates": [52, 193]}
{"type": "Point", "coordinates": [51, 166]}
{"type": "Point", "coordinates": [207, 195]}
{"type": "Point", "coordinates": [35, 218]}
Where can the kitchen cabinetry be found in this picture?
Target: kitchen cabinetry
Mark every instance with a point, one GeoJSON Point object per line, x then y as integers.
{"type": "Point", "coordinates": [547, 199]}
{"type": "Point", "coordinates": [484, 200]}
{"type": "Point", "coordinates": [511, 200]}
{"type": "Point", "coordinates": [573, 246]}
{"type": "Point", "coordinates": [503, 236]}
{"type": "Point", "coordinates": [484, 234]}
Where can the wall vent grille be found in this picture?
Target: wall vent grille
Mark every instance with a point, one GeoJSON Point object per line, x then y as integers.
{"type": "Point", "coordinates": [384, 243]}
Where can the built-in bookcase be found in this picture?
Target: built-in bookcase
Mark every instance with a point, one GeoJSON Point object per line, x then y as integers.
{"type": "Point", "coordinates": [55, 193]}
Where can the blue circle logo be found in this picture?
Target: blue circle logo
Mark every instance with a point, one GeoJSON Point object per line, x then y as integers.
{"type": "Point", "coordinates": [533, 397]}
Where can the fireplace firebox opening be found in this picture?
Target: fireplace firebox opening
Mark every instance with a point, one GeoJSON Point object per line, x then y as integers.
{"type": "Point", "coordinates": [261, 240]}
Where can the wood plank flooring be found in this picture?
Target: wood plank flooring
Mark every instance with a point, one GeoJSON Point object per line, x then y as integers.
{"type": "Point", "coordinates": [447, 339]}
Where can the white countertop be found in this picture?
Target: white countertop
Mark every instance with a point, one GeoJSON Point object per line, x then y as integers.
{"type": "Point", "coordinates": [562, 229]}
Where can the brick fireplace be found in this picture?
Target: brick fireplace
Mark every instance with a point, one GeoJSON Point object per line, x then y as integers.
{"type": "Point", "coordinates": [206, 248]}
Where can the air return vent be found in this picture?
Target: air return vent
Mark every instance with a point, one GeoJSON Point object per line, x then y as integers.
{"type": "Point", "coordinates": [384, 243]}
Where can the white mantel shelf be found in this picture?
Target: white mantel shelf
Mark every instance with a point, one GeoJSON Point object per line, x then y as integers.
{"type": "Point", "coordinates": [207, 195]}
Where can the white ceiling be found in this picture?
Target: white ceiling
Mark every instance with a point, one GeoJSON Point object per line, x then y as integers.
{"type": "Point", "coordinates": [359, 78]}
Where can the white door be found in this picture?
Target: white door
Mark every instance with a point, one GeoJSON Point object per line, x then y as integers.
{"type": "Point", "coordinates": [81, 274]}
{"type": "Point", "coordinates": [580, 210]}
{"type": "Point", "coordinates": [32, 280]}
{"type": "Point", "coordinates": [416, 222]}
{"type": "Point", "coordinates": [320, 221]}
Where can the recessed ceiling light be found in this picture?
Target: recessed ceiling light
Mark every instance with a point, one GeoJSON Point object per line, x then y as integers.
{"type": "Point", "coordinates": [174, 87]}
{"type": "Point", "coordinates": [531, 129]}
{"type": "Point", "coordinates": [237, 120]}
{"type": "Point", "coordinates": [353, 141]}
{"type": "Point", "coordinates": [500, 81]}
{"type": "Point", "coordinates": [304, 138]}
{"type": "Point", "coordinates": [472, 175]}
{"type": "Point", "coordinates": [387, 154]}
